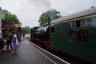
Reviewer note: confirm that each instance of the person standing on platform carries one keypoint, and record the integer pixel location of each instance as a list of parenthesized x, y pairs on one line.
[(9, 41), (23, 35), (1, 42), (14, 46)]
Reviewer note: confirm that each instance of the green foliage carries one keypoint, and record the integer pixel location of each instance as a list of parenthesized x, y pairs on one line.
[(48, 16), (26, 29), (44, 19), (11, 18)]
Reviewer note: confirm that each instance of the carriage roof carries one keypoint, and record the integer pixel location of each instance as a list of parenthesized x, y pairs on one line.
[(76, 15)]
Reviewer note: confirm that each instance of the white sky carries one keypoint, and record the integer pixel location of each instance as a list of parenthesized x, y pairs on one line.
[(29, 11)]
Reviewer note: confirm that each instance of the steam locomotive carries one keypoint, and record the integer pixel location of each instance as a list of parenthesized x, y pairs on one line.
[(41, 36), (74, 34)]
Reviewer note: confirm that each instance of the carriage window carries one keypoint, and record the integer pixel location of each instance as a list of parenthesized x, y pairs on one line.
[(73, 24), (92, 21), (52, 29), (78, 23), (84, 23), (79, 32)]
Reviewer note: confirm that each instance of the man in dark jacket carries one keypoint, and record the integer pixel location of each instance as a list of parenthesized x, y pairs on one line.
[(9, 41)]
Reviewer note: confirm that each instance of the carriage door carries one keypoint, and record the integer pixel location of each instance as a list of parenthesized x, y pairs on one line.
[(52, 34)]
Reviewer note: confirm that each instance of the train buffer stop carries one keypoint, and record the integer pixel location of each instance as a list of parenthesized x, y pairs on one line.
[(29, 53)]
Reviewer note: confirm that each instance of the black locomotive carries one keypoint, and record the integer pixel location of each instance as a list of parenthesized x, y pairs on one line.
[(41, 36)]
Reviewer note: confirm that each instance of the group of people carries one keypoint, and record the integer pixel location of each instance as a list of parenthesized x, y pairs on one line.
[(8, 41)]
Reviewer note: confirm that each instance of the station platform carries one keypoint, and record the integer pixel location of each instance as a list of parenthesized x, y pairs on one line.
[(29, 53)]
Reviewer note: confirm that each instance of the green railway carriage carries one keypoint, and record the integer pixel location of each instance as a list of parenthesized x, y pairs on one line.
[(76, 34)]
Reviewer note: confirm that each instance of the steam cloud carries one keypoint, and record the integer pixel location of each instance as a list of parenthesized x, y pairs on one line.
[(32, 9), (45, 3)]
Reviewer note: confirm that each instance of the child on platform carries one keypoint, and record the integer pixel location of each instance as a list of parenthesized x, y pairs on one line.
[(14, 44)]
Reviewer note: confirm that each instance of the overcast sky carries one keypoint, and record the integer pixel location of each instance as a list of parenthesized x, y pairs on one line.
[(29, 11)]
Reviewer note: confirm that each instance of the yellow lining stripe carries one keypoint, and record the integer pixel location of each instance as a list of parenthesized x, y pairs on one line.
[(76, 19)]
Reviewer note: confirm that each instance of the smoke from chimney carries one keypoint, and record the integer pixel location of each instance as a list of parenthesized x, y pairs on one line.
[(45, 3)]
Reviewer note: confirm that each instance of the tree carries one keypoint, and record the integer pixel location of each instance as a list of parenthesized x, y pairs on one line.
[(44, 19), (11, 18), (48, 16), (26, 29)]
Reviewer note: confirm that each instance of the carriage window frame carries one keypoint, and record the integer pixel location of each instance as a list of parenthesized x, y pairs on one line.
[(92, 21), (73, 24), (83, 23), (78, 32), (52, 30), (78, 23)]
